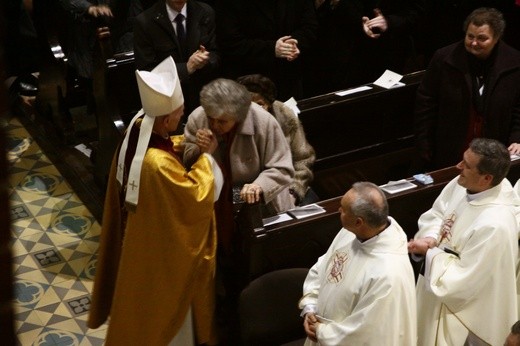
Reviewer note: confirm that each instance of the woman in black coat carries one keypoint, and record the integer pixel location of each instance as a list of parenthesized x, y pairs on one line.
[(471, 89)]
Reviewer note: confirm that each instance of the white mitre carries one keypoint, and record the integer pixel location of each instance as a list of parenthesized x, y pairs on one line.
[(161, 94)]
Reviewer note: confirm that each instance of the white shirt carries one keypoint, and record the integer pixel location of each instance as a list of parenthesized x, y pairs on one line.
[(172, 14)]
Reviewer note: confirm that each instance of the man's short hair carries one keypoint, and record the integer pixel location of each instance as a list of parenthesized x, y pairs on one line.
[(515, 328), (489, 16), (494, 158), (370, 204)]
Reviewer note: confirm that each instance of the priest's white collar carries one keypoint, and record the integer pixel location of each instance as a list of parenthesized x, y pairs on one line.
[(470, 197)]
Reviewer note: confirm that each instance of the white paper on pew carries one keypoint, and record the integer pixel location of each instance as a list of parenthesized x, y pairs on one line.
[(515, 157), (353, 91), (397, 85), (305, 211), (83, 148), (276, 219), (398, 186), (292, 104), (388, 79)]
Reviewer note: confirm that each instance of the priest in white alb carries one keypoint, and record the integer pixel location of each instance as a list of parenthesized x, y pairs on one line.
[(469, 240), (362, 290)]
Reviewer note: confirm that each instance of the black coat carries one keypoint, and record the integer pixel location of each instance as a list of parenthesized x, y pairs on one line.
[(248, 31), (345, 56), (444, 100)]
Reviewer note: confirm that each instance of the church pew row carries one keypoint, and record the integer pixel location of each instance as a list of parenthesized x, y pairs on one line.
[(354, 136), (299, 243)]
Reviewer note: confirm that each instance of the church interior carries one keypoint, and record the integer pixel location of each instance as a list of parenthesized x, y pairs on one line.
[(59, 141)]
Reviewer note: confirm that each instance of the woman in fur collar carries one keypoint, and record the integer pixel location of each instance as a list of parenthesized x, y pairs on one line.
[(263, 92)]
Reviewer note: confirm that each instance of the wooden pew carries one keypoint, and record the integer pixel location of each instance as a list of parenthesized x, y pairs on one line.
[(53, 69), (355, 135), (117, 101), (299, 243), (62, 91)]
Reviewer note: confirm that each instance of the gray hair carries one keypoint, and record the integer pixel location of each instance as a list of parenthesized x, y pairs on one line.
[(370, 204), (489, 16), (494, 158), (225, 96)]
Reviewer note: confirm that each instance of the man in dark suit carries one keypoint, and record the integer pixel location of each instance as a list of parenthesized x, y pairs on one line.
[(268, 37), (359, 39), (189, 39)]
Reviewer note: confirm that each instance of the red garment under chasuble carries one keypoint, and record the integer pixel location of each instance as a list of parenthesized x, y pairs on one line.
[(224, 206)]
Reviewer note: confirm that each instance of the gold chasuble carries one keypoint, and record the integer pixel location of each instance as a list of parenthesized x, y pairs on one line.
[(152, 271)]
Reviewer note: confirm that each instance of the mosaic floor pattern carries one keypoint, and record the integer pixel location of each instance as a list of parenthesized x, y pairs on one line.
[(54, 243)]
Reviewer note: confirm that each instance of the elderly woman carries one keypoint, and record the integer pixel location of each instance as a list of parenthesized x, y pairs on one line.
[(263, 92), (249, 145)]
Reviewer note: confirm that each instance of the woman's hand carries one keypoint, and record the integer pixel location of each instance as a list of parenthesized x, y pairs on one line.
[(251, 193)]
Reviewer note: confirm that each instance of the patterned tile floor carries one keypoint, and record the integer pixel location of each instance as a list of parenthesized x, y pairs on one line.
[(54, 242)]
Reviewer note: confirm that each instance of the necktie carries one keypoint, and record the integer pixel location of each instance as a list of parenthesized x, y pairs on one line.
[(181, 33)]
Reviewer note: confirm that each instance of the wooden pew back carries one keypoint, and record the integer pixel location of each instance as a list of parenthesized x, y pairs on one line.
[(117, 101), (340, 124), (355, 135)]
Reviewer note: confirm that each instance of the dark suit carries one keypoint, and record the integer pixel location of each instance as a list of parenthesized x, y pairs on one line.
[(155, 40), (345, 56), (247, 34)]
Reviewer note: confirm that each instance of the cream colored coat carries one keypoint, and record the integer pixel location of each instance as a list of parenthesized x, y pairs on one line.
[(259, 154)]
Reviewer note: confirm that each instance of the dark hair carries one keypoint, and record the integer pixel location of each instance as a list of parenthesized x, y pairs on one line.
[(256, 83), (370, 204), (494, 158), (515, 329), (489, 16)]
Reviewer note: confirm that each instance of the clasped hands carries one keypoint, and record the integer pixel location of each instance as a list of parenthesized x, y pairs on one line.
[(375, 26), (100, 10), (198, 60), (420, 246), (310, 324), (514, 148), (206, 141), (287, 47)]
